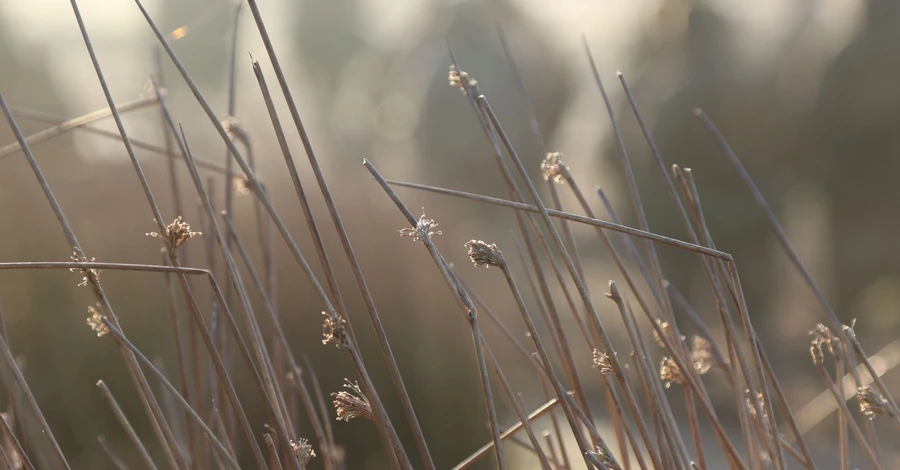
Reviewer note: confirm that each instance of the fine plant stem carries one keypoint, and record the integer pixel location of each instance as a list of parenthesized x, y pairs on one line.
[(315, 418), (18, 379), (472, 459), (842, 407), (569, 216), (770, 217), (524, 222), (264, 380), (73, 123), (123, 421), (385, 427), (323, 412), (517, 406), (120, 337), (380, 332), (274, 460), (151, 406), (465, 303), (122, 107)]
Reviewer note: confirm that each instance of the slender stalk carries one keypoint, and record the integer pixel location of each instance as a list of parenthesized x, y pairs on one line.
[(147, 399), (116, 460), (380, 332), (314, 417), (465, 304), (123, 421), (470, 460), (385, 427), (274, 460), (842, 407), (73, 123), (567, 215), (520, 411), (120, 337)]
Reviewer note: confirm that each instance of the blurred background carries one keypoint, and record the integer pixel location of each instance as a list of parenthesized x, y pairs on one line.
[(806, 92)]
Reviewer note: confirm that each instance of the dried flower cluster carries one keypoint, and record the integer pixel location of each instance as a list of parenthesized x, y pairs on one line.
[(666, 329), (460, 79), (828, 340), (334, 330), (95, 321), (872, 403), (302, 450), (423, 230), (601, 362), (554, 168), (242, 185), (701, 354), (352, 404), (604, 458), (176, 233), (670, 373), (483, 254), (233, 128), (89, 275), (751, 407)]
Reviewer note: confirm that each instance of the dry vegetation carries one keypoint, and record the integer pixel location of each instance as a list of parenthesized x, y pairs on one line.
[(635, 377)]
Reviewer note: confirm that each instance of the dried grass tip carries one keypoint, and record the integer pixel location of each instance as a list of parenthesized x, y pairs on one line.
[(872, 403), (483, 254), (334, 330), (701, 354), (423, 230), (603, 458), (554, 168), (89, 275), (352, 404), (670, 373), (302, 450), (233, 128), (95, 321), (666, 329), (460, 79), (751, 406), (602, 362), (176, 233)]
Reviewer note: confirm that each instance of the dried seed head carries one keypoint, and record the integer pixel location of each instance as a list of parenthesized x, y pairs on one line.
[(601, 361), (483, 254), (352, 404), (423, 230), (233, 128), (89, 275), (701, 354), (334, 330), (751, 407), (873, 403), (242, 185), (95, 321), (554, 168), (176, 233), (302, 450), (828, 340), (667, 329), (815, 350), (605, 459), (670, 373), (460, 79)]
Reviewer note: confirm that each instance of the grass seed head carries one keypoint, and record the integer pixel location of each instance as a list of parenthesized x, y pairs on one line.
[(483, 254), (352, 404)]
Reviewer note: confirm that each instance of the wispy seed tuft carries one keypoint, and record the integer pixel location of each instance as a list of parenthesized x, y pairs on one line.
[(352, 404)]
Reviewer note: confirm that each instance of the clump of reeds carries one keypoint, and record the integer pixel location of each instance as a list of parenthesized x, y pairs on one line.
[(634, 378)]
